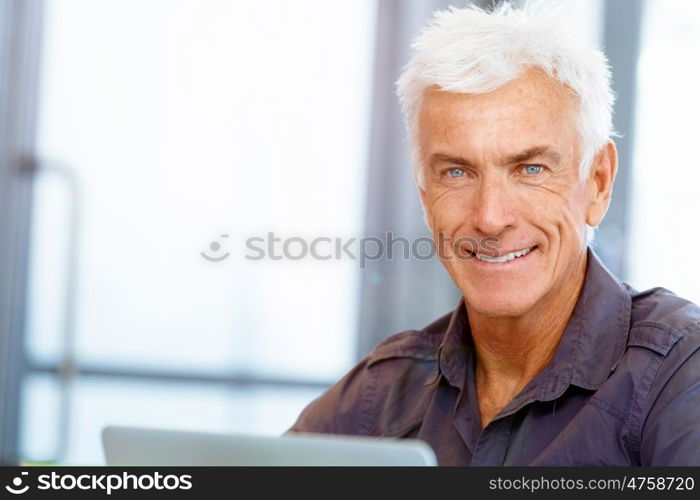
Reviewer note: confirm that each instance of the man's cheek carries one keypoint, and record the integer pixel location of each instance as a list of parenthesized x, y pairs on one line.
[(450, 209)]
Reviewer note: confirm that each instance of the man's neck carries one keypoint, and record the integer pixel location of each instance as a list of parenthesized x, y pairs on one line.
[(512, 351)]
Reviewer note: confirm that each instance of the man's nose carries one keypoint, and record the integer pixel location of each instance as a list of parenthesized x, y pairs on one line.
[(493, 208)]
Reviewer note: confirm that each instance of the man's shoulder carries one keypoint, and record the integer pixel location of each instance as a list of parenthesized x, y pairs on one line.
[(660, 319), (664, 358), (366, 399), (420, 344)]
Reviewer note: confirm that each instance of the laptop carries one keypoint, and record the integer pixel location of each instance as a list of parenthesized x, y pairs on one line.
[(125, 446)]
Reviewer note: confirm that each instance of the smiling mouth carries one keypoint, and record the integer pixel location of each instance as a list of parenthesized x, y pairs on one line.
[(504, 258)]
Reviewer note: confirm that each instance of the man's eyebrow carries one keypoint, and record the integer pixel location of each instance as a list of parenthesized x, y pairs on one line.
[(521, 157), (531, 153), (447, 158)]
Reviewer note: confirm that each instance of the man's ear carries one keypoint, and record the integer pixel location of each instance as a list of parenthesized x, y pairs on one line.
[(600, 179)]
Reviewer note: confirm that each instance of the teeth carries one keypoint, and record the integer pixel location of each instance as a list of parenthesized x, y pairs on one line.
[(504, 258)]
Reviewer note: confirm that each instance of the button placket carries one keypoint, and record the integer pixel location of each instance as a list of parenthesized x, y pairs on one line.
[(492, 443)]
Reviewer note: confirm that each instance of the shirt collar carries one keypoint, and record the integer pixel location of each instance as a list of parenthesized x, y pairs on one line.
[(591, 346)]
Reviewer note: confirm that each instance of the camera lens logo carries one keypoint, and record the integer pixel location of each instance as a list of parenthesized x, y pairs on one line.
[(215, 246), (16, 488)]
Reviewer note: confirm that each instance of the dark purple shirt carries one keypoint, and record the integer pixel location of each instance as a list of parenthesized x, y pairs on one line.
[(622, 389)]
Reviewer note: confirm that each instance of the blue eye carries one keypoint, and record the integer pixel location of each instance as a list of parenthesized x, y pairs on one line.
[(533, 169), (456, 172)]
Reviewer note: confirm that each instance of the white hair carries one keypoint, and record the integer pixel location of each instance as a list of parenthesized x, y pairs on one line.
[(470, 50)]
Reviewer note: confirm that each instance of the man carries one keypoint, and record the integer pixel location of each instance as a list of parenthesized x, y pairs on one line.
[(548, 359)]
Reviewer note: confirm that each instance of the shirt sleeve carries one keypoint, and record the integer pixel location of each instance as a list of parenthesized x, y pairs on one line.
[(342, 409), (671, 433)]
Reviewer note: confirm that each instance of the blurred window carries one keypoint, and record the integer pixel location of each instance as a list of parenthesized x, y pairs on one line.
[(665, 203), (181, 127)]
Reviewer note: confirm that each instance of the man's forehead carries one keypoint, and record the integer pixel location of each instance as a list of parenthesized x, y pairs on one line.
[(532, 88), (534, 105), (522, 115)]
